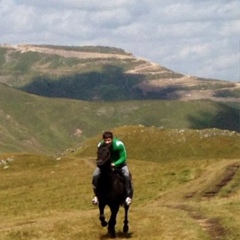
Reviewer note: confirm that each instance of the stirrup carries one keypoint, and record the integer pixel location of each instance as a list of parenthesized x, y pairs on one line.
[(128, 201), (95, 200)]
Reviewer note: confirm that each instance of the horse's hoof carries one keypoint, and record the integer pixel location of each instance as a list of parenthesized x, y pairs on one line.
[(112, 234), (125, 229), (104, 224)]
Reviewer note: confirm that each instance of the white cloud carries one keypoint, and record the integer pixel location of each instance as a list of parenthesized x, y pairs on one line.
[(110, 19), (190, 36), (231, 28), (90, 5)]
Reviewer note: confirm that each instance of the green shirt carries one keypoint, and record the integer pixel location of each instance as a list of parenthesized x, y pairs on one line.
[(118, 152)]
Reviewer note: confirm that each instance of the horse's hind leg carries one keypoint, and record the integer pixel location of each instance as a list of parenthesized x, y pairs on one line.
[(102, 216), (125, 226)]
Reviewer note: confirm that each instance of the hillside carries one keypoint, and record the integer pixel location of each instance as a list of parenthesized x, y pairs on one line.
[(179, 195), (182, 138), (51, 125), (102, 73), (161, 145)]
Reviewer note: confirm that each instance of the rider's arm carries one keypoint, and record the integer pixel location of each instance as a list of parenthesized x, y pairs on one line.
[(122, 153)]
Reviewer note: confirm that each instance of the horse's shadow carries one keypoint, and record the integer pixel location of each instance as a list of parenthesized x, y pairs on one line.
[(118, 235)]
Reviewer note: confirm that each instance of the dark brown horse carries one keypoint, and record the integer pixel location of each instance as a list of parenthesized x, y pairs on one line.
[(110, 191)]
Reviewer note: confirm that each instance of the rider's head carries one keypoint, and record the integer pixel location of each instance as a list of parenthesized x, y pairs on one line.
[(107, 137)]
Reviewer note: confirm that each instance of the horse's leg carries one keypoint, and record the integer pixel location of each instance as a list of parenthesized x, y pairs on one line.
[(102, 216), (112, 221), (125, 226)]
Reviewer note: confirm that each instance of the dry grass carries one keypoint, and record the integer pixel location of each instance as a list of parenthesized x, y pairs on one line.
[(44, 198)]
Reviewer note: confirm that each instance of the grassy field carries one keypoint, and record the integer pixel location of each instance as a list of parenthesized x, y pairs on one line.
[(50, 197)]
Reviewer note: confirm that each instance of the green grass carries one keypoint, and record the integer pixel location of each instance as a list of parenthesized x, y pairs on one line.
[(172, 144), (50, 198), (235, 93), (49, 125)]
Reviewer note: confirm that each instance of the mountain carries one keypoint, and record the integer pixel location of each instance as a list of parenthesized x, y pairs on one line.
[(102, 74), (111, 82)]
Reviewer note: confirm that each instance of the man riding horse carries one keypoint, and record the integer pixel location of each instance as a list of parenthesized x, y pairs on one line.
[(118, 159)]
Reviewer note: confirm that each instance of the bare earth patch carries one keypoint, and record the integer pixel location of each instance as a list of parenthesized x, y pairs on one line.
[(210, 225)]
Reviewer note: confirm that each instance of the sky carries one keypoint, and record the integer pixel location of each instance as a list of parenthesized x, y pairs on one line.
[(192, 37)]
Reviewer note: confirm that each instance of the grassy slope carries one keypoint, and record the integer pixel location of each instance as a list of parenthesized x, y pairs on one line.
[(36, 124), (161, 145), (47, 198)]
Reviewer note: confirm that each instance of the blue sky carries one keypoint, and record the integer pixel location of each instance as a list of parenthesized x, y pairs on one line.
[(192, 37)]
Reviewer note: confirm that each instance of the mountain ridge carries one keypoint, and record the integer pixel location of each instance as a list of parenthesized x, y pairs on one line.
[(23, 65)]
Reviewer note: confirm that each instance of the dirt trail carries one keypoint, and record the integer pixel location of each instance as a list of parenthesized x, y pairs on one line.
[(147, 67), (69, 53), (212, 225), (228, 174), (209, 225)]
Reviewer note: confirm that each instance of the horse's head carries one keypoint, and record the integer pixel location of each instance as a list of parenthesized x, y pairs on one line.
[(103, 156)]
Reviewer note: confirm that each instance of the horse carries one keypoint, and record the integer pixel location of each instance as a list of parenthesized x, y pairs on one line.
[(110, 191)]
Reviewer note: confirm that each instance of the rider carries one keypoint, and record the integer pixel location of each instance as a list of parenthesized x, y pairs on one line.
[(118, 158)]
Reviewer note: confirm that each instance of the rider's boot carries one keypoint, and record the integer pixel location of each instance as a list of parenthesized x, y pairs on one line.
[(94, 183), (95, 199)]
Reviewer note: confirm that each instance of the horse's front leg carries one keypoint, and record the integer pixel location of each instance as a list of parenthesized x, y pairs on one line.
[(112, 221), (125, 226), (102, 216)]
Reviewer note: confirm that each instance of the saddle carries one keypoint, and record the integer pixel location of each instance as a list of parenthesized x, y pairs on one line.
[(119, 173)]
